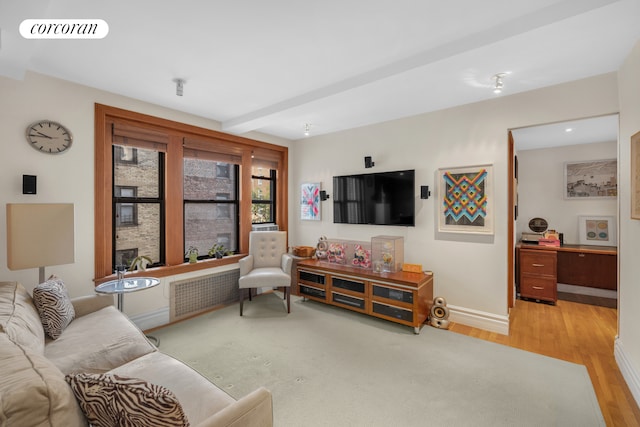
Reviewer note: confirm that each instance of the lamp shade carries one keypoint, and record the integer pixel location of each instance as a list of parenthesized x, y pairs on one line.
[(39, 234)]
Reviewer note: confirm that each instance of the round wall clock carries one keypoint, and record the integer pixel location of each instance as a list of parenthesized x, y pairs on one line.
[(49, 137)]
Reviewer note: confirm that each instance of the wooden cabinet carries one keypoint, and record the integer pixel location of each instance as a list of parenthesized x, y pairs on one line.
[(538, 277), (399, 297), (595, 270)]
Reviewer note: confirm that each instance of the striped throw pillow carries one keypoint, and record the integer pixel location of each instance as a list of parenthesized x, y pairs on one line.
[(109, 400), (54, 306)]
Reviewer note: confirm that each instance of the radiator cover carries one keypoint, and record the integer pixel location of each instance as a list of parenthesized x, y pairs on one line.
[(198, 294)]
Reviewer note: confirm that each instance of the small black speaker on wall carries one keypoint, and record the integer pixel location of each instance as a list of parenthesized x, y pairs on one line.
[(29, 184), (368, 162), (323, 195), (424, 192)]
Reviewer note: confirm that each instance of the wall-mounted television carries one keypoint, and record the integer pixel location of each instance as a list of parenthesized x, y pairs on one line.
[(383, 198)]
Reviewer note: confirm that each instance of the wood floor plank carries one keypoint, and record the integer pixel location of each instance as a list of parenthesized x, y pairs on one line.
[(578, 333)]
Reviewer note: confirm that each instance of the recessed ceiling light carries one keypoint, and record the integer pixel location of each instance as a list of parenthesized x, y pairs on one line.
[(568, 130)]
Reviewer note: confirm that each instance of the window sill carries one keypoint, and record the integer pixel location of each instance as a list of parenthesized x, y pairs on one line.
[(172, 270)]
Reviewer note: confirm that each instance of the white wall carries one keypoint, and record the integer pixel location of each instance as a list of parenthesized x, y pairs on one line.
[(541, 186), (69, 177), (470, 273), (627, 347)]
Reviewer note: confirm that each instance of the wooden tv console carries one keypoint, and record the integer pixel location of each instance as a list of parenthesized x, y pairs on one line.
[(400, 297)]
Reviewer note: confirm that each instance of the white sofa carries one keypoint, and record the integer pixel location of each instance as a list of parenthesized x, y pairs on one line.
[(100, 339)]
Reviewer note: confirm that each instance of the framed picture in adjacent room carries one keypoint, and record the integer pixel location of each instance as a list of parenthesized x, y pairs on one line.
[(310, 201), (465, 202), (635, 176), (597, 230), (592, 179)]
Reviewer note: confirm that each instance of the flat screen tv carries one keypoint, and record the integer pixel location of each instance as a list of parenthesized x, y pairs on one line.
[(384, 198)]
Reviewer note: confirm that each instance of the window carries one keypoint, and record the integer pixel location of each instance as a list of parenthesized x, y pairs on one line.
[(126, 213), (263, 196), (138, 205), (125, 154), (148, 202), (210, 204)]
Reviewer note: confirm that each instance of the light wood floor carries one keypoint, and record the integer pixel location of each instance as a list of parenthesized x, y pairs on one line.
[(578, 333)]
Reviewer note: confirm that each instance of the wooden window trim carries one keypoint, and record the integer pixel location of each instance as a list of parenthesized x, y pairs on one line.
[(177, 133)]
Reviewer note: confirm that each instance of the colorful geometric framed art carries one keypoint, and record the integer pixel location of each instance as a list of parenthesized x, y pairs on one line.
[(465, 202), (310, 201)]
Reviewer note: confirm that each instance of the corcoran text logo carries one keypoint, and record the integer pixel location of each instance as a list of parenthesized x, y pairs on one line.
[(64, 29)]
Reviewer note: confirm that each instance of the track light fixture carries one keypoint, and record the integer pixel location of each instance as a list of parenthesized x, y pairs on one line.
[(179, 86), (307, 129), (498, 84)]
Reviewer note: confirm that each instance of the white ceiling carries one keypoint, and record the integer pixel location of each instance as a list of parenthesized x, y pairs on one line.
[(273, 66), (574, 132)]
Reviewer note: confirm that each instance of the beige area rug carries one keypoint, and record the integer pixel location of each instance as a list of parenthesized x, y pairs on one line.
[(331, 367)]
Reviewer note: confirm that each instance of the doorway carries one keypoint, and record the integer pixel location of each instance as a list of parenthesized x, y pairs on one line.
[(539, 159)]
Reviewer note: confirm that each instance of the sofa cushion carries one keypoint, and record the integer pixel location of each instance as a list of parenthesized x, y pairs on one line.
[(189, 386), (33, 392), (97, 342), (19, 318), (111, 400), (54, 306)]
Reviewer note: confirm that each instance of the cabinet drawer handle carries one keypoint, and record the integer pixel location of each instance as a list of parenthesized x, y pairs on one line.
[(581, 255), (538, 288), (538, 265)]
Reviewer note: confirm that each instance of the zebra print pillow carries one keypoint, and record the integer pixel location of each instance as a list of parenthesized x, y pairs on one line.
[(54, 306), (110, 400)]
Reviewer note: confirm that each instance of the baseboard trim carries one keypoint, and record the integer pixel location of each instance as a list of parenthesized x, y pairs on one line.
[(629, 374), (595, 292), (151, 319), (479, 319)]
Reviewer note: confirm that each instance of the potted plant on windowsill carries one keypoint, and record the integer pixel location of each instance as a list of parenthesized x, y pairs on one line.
[(218, 251), (192, 254)]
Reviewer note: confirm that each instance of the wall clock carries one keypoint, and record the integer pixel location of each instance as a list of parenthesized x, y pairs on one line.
[(49, 137)]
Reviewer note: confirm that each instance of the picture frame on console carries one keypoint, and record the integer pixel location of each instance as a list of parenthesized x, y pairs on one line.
[(597, 230), (466, 202)]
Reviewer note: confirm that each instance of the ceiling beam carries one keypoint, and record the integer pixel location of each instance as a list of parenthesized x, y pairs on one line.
[(551, 14)]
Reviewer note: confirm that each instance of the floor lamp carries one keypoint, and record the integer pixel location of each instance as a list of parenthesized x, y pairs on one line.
[(39, 235)]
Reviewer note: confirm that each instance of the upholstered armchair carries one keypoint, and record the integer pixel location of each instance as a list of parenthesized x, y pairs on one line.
[(268, 265)]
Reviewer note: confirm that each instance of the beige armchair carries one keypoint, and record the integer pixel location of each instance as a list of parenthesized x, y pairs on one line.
[(268, 265)]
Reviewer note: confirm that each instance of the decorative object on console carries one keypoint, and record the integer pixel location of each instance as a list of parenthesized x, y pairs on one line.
[(336, 253), (310, 202), (440, 313), (40, 235), (467, 199), (304, 251), (361, 256), (597, 230), (591, 179), (537, 226), (412, 268), (321, 248), (387, 253)]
